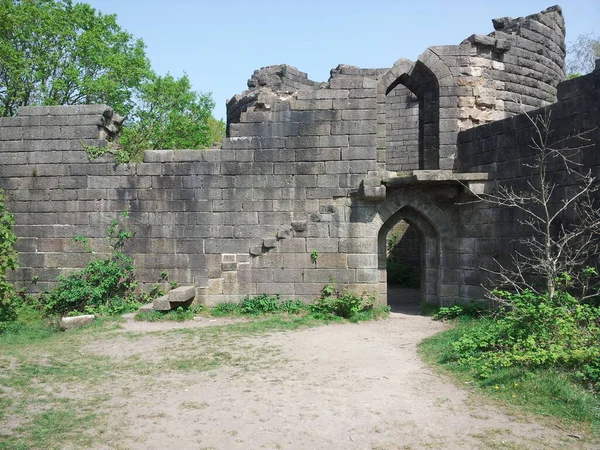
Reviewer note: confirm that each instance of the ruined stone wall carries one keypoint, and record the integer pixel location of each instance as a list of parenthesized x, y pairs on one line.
[(307, 169), (503, 149)]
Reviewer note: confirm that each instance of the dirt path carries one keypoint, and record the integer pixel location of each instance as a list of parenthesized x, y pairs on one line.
[(341, 386)]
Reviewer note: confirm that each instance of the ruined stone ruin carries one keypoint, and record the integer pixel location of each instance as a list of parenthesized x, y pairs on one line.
[(312, 176)]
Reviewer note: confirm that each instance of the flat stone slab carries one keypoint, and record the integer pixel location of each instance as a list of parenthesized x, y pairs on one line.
[(162, 303), (149, 307), (182, 294), (432, 176), (69, 323)]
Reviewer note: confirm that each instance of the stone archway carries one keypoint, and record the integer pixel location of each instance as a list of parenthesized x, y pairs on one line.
[(429, 252), (439, 244)]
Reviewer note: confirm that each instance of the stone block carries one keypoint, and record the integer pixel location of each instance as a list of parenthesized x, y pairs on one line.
[(149, 307), (162, 303), (363, 261), (332, 261), (287, 275), (69, 323)]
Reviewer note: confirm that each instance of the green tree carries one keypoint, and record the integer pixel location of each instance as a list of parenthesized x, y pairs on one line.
[(582, 55), (169, 115), (60, 53), (217, 130), (55, 52)]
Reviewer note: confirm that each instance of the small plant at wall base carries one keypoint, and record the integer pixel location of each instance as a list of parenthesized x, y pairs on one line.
[(105, 286), (345, 304)]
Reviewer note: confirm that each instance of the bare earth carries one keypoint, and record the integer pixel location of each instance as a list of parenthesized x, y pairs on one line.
[(342, 386)]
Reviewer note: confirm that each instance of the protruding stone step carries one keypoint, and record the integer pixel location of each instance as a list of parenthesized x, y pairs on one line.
[(162, 303), (182, 294), (148, 307)]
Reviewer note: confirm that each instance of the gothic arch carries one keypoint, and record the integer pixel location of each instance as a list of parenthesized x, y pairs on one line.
[(437, 239), (429, 79)]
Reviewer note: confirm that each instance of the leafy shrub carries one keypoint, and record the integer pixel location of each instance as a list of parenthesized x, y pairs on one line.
[(342, 304), (104, 287), (473, 309), (536, 331), (259, 304), (8, 261), (226, 309), (292, 306)]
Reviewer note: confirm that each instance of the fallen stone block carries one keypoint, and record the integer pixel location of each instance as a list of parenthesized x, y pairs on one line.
[(162, 303), (69, 323), (183, 294), (149, 307)]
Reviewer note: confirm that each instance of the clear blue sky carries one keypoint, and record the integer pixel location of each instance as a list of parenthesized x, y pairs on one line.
[(220, 43)]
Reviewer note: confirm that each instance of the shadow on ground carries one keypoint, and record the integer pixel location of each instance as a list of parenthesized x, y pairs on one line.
[(403, 300)]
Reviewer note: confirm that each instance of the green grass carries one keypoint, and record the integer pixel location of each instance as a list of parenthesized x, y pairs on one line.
[(545, 392), (178, 315), (49, 430)]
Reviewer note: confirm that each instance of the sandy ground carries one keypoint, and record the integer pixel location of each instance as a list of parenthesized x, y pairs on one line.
[(342, 386)]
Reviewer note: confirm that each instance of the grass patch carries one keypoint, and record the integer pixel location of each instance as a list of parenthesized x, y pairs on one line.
[(50, 430), (543, 391), (178, 315)]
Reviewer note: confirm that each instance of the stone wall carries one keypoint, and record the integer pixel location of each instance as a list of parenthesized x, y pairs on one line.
[(307, 168), (504, 150)]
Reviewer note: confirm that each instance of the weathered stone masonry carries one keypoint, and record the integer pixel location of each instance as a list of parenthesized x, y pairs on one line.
[(307, 166)]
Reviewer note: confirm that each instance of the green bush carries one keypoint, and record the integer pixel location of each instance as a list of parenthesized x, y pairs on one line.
[(8, 261), (536, 331), (104, 287), (473, 309), (345, 304), (259, 304)]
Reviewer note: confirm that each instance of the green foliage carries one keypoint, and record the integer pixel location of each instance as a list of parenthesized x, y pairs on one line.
[(375, 313), (216, 131), (60, 53), (546, 391), (344, 304), (225, 309), (536, 331), (122, 155), (179, 315), (170, 116), (472, 309), (8, 261), (260, 304), (104, 287), (55, 52)]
